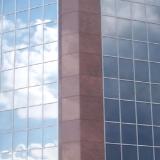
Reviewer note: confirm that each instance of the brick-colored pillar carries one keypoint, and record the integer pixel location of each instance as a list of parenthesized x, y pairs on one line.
[(81, 123)]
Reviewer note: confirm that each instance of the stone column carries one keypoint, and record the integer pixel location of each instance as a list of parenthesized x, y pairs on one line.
[(81, 121)]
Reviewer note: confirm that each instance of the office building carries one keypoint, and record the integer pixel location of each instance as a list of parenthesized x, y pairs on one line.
[(79, 79)]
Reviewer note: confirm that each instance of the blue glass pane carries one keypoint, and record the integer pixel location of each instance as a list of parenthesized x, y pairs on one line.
[(112, 110), (112, 131)]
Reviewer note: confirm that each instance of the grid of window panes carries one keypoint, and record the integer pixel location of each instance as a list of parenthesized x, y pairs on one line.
[(28, 80), (131, 67)]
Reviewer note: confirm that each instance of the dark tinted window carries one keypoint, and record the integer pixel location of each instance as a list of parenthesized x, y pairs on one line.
[(141, 71), (109, 46), (156, 114), (154, 52), (154, 33), (157, 153), (143, 113), (145, 135), (111, 110), (155, 93), (129, 134), (124, 28), (112, 132), (142, 91), (110, 67), (125, 69), (125, 49), (113, 152), (127, 90), (111, 88), (155, 76), (156, 136), (140, 51), (139, 31), (146, 153), (129, 152), (128, 111)]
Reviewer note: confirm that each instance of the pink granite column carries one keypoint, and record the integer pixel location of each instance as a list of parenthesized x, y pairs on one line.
[(81, 120)]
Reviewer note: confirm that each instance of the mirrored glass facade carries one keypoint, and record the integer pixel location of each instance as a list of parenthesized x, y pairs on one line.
[(131, 67), (28, 80)]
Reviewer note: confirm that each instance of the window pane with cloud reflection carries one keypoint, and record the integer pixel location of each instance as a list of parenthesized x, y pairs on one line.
[(28, 80)]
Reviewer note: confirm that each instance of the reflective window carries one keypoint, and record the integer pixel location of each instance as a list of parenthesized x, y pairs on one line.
[(36, 35), (50, 136), (50, 72), (21, 81), (123, 8), (34, 3), (141, 71), (110, 67), (143, 113), (8, 23), (35, 117), (139, 31), (6, 121), (113, 132), (109, 26), (20, 119), (8, 6), (140, 51), (22, 38), (145, 135), (155, 92), (20, 98), (129, 152), (8, 41), (6, 143), (21, 58), (36, 15), (50, 114), (21, 5), (108, 7), (156, 111), (129, 134), (146, 153), (125, 49), (22, 19), (154, 33), (157, 153), (125, 69), (156, 136), (113, 152), (35, 138), (111, 88), (28, 79), (49, 15), (112, 110), (50, 153), (154, 52), (35, 75), (20, 141), (127, 90), (7, 61), (138, 11), (110, 46), (36, 55), (128, 111), (124, 28), (50, 52), (153, 13), (142, 91), (155, 77)]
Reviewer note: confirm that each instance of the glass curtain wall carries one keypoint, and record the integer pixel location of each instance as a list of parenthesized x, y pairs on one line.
[(131, 68), (28, 80)]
